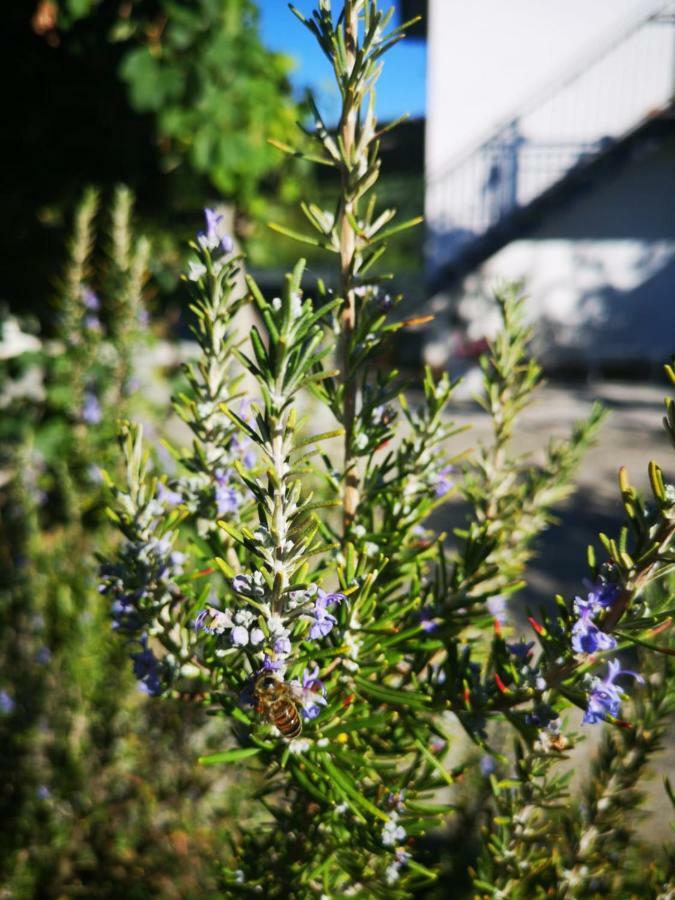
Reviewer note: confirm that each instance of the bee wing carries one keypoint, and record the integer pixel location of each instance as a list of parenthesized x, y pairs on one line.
[(297, 692)]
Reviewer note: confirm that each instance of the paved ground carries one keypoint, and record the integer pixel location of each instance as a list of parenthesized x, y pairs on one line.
[(631, 436)]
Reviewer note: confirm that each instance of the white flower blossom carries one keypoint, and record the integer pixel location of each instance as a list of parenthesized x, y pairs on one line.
[(196, 270), (392, 832), (239, 636), (256, 636), (220, 621), (392, 873), (244, 617)]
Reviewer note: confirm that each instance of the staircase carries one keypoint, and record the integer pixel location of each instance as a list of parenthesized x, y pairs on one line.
[(488, 194)]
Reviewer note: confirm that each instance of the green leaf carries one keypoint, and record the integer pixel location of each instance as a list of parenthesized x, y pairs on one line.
[(392, 695), (297, 236), (351, 789), (228, 756)]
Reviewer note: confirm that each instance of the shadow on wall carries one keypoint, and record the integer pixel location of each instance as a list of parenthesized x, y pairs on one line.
[(605, 325), (599, 270)]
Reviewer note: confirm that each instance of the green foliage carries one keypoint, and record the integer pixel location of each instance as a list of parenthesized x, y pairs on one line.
[(98, 796), (176, 98), (298, 591), (216, 93)]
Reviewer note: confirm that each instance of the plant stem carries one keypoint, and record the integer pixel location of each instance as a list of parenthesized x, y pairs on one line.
[(347, 252)]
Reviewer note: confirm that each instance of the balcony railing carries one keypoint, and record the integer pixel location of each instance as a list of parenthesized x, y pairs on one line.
[(575, 119)]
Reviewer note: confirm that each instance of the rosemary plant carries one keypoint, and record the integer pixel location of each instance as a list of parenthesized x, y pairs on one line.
[(90, 787), (286, 577)]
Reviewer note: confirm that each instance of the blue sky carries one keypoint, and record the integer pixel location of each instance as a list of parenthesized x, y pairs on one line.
[(401, 87)]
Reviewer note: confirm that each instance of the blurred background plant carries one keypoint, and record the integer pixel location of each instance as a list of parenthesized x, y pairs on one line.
[(175, 98), (99, 796)]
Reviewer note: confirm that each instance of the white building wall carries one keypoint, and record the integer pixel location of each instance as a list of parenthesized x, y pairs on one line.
[(599, 275), (495, 61), (488, 57)]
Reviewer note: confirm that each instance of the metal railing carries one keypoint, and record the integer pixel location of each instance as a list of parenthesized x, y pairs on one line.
[(604, 97)]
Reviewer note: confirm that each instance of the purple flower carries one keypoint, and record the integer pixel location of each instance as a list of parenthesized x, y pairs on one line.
[(124, 613), (323, 620), (92, 322), (242, 447), (43, 656), (322, 626), (427, 622), (323, 599), (521, 650), (146, 669), (91, 409), (7, 703), (270, 665), (201, 622), (213, 621), (487, 765), (177, 558), (605, 697), (586, 636), (42, 792), (282, 646), (215, 238), (167, 495), (442, 482), (603, 594), (225, 495), (313, 693), (497, 608), (90, 300)]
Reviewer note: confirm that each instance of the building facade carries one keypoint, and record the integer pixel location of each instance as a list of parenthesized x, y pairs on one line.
[(550, 158)]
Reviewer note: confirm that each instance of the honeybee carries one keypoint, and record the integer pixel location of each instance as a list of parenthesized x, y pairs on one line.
[(276, 701)]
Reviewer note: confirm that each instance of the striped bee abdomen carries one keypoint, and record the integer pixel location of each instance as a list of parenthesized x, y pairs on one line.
[(285, 716)]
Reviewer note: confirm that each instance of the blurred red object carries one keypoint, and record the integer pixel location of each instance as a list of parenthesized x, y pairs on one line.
[(45, 17), (472, 349)]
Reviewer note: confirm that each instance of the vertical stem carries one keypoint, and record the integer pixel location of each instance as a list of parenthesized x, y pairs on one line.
[(347, 251)]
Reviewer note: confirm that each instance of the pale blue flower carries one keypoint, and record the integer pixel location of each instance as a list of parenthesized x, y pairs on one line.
[(91, 409), (90, 299), (146, 669), (442, 481), (226, 497), (605, 697), (215, 236), (167, 495)]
